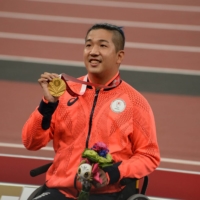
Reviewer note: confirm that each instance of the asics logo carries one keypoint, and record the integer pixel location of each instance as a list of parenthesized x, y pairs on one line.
[(72, 101), (42, 195)]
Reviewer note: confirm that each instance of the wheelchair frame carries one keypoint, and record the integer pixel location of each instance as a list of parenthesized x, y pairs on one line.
[(129, 184)]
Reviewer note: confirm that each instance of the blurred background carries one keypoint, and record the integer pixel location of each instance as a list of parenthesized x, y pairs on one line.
[(162, 61)]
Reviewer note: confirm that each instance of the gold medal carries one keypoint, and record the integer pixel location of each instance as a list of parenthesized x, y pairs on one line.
[(57, 87)]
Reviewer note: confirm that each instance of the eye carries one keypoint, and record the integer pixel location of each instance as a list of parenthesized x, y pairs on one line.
[(103, 45), (88, 45)]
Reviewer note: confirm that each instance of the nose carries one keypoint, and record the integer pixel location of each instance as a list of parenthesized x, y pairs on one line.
[(94, 51)]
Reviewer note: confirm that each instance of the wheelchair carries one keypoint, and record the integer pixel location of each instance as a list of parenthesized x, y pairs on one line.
[(130, 191)]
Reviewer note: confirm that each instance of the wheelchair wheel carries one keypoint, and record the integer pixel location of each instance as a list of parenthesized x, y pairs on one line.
[(138, 197), (37, 192)]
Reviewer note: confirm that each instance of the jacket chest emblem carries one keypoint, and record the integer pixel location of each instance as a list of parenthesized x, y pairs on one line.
[(118, 105)]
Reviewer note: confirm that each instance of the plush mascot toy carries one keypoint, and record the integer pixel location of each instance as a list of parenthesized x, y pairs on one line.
[(88, 170)]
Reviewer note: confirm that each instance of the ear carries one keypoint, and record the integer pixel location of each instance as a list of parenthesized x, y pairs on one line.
[(120, 56)]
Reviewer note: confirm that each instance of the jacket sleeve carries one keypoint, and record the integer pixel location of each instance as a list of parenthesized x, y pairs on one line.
[(146, 156), (38, 129)]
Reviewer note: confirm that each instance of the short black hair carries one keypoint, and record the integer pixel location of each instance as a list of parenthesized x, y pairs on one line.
[(118, 34)]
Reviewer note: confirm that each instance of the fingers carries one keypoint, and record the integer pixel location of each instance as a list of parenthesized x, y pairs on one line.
[(44, 80), (49, 76), (46, 77)]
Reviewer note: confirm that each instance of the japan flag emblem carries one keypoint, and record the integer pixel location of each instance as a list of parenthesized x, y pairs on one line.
[(118, 105)]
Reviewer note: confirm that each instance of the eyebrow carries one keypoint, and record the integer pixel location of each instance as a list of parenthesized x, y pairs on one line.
[(101, 40)]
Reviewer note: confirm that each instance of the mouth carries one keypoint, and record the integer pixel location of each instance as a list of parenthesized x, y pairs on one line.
[(94, 62)]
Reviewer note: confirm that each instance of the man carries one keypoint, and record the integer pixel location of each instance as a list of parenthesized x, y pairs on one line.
[(118, 116)]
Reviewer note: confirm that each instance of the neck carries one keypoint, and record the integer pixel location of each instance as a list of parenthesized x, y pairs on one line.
[(102, 80), (97, 80)]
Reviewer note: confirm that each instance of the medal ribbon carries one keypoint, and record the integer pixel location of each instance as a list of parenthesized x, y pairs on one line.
[(114, 83)]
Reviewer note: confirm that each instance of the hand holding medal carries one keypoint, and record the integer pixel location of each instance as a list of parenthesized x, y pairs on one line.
[(57, 87)]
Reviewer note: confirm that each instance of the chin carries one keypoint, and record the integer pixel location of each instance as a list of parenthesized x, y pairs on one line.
[(94, 70)]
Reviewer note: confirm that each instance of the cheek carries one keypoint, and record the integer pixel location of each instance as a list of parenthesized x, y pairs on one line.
[(85, 52), (111, 58), (85, 56)]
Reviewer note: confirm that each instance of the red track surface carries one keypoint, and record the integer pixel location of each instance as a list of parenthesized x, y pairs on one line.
[(177, 123)]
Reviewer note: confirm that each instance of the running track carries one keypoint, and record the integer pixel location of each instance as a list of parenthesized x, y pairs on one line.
[(162, 61)]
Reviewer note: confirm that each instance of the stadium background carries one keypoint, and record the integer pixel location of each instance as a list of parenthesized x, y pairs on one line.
[(162, 61)]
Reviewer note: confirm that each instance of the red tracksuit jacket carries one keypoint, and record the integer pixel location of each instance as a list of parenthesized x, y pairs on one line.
[(120, 117)]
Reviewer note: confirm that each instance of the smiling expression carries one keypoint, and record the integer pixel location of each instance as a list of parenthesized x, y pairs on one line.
[(101, 59)]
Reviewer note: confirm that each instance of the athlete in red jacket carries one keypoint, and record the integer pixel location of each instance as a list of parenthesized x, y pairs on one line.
[(118, 116)]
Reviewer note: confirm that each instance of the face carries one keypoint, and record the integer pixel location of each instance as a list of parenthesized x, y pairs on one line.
[(100, 57)]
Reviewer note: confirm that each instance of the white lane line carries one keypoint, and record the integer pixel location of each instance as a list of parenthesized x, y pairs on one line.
[(179, 161), (51, 18), (51, 159), (21, 146), (113, 4), (162, 47), (167, 160), (132, 45), (179, 171), (159, 198), (17, 184), (41, 38), (80, 64), (24, 156), (160, 70)]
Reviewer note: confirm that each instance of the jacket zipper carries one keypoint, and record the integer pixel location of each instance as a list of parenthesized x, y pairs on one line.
[(89, 130), (91, 116)]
